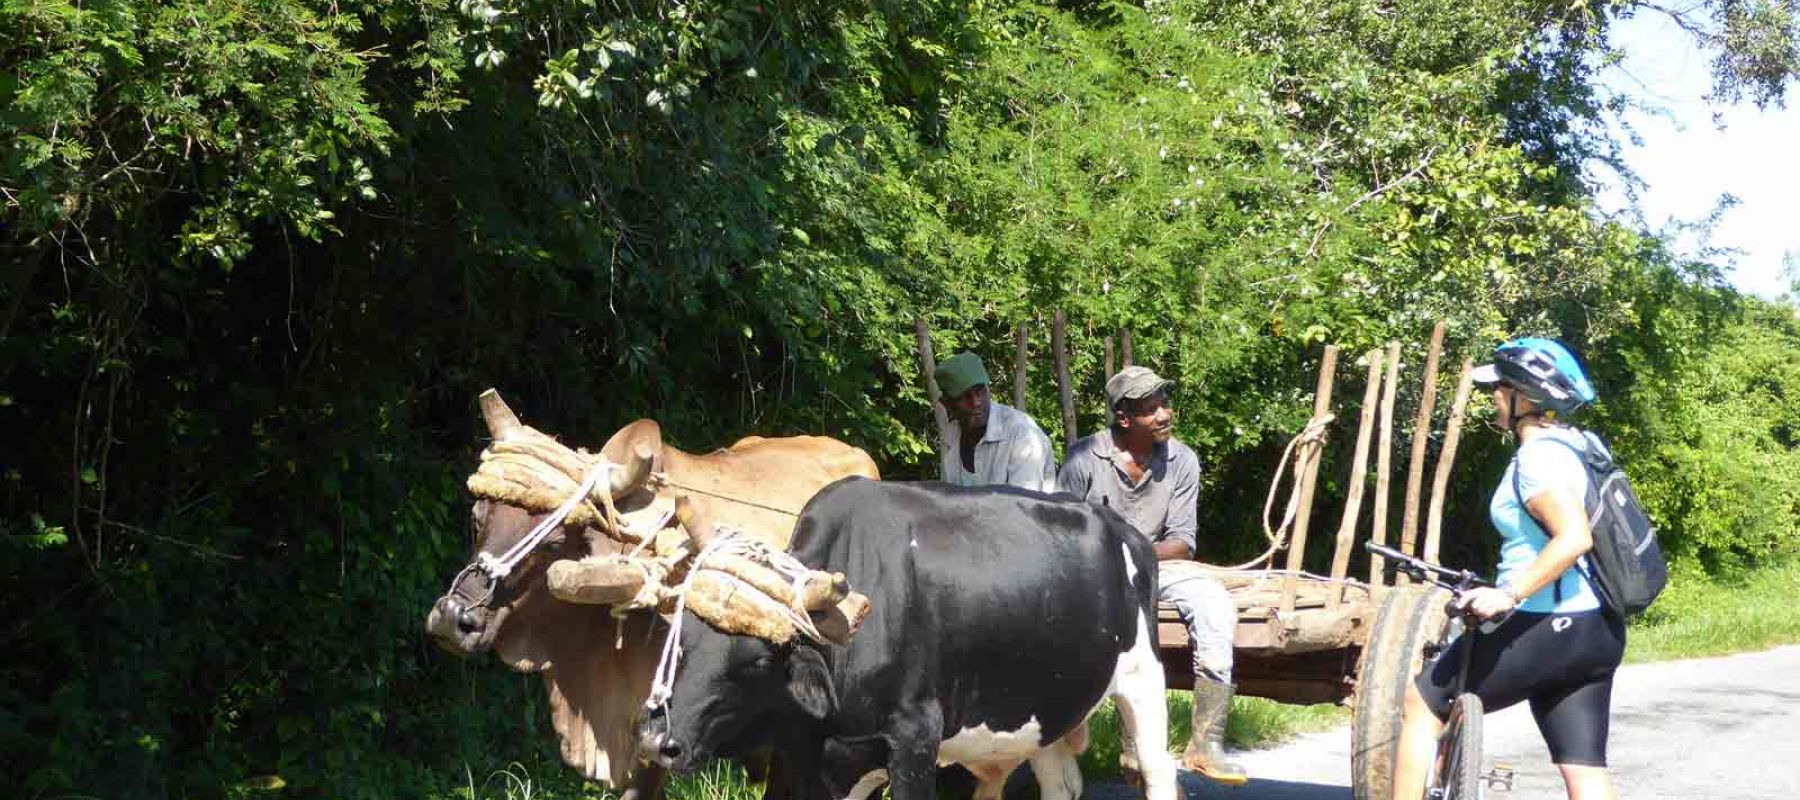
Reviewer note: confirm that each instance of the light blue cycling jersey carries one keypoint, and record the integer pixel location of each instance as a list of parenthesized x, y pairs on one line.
[(1541, 465)]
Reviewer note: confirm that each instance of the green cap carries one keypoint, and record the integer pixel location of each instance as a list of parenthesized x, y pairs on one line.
[(960, 373)]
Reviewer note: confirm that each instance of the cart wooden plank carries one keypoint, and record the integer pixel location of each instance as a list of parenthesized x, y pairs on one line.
[(1306, 656)]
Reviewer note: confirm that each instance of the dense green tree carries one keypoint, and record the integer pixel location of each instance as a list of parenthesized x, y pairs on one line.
[(259, 258)]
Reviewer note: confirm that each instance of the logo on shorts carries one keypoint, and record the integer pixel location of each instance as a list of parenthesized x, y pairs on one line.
[(1561, 624)]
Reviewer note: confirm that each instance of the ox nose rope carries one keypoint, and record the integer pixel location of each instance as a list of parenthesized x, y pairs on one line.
[(496, 568)]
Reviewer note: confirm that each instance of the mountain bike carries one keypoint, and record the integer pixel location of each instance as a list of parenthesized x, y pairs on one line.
[(1456, 773)]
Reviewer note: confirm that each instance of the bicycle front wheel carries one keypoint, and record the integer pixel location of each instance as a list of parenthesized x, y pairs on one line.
[(1458, 772)]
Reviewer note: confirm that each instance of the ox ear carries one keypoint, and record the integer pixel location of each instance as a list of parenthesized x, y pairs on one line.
[(809, 683), (641, 436)]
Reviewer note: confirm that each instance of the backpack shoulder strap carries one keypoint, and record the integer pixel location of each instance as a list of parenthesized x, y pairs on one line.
[(1586, 455), (1590, 462)]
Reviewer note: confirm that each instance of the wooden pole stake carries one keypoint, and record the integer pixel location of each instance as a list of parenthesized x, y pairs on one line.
[(1019, 368), (1059, 342), (1359, 478), (1415, 471), (1125, 348), (1434, 519), (1384, 455), (1109, 359), (929, 363), (1309, 474)]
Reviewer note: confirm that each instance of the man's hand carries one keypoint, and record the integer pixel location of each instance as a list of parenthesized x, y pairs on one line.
[(1172, 550)]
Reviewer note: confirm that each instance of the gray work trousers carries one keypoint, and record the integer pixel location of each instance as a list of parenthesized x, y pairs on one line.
[(1209, 612)]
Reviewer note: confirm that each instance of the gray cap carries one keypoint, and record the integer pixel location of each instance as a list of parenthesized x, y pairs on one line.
[(1132, 383)]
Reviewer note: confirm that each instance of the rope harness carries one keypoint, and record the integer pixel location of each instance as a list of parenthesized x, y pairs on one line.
[(729, 541), (662, 479), (532, 472), (496, 568)]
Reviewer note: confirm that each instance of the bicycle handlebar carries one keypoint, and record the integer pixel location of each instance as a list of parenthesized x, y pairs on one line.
[(1457, 581)]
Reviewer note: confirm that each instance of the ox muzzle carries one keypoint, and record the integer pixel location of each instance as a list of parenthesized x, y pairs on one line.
[(656, 744), (464, 620)]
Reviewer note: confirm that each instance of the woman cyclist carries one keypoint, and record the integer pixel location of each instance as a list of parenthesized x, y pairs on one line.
[(1560, 648)]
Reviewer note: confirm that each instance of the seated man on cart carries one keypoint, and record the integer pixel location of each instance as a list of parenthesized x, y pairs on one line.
[(987, 443), (1137, 468)]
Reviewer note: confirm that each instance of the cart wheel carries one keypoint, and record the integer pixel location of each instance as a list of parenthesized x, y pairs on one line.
[(1411, 617)]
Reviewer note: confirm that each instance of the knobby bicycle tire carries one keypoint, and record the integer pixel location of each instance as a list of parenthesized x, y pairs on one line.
[(1457, 774)]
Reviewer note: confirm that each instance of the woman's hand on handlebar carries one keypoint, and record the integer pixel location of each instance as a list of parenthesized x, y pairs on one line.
[(1485, 603)]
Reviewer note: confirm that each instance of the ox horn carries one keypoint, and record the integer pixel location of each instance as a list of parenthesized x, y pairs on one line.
[(695, 522), (629, 476), (500, 419)]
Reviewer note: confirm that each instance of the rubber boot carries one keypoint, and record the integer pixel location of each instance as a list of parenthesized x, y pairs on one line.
[(1206, 748)]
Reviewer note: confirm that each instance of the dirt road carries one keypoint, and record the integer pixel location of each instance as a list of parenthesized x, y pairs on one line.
[(1717, 728)]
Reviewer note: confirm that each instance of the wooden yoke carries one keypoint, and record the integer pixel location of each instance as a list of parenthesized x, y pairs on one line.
[(1290, 584)]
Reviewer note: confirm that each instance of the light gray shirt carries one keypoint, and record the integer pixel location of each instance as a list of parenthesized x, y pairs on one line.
[(1013, 452), (1161, 506)]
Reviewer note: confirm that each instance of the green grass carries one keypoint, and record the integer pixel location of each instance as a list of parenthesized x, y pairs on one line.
[(717, 782), (1695, 618), (1254, 723), (721, 781)]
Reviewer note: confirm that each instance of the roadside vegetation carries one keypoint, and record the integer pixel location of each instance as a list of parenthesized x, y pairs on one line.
[(257, 260), (1699, 617)]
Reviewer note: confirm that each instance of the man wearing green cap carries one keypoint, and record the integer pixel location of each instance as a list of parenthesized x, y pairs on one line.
[(988, 443), (1139, 470)]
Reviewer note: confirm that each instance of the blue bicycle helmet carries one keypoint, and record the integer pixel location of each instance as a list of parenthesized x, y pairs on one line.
[(1543, 370)]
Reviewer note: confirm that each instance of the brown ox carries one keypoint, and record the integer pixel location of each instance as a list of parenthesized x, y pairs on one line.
[(598, 668)]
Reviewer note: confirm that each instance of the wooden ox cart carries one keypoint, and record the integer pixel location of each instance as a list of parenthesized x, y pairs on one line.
[(1308, 638)]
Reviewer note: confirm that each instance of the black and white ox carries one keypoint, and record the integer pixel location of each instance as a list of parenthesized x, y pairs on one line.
[(1001, 618)]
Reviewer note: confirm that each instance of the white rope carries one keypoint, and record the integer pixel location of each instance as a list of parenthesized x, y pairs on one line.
[(662, 684), (500, 566), (649, 594), (1271, 572), (645, 539), (1314, 434)]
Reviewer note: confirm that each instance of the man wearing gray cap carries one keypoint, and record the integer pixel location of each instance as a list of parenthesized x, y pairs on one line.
[(987, 443), (1139, 470)]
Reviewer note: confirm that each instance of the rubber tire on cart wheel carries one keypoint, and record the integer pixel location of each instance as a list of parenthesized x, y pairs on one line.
[(1459, 752), (1410, 618)]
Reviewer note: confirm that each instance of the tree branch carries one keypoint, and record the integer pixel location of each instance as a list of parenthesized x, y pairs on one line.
[(1312, 250)]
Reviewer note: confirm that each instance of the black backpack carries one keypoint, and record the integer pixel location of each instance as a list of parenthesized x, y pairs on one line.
[(1626, 566)]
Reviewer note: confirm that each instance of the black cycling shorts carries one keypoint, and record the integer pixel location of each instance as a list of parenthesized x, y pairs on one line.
[(1562, 663)]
